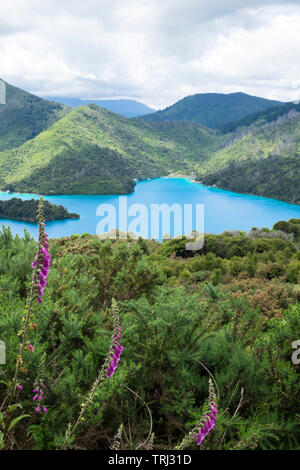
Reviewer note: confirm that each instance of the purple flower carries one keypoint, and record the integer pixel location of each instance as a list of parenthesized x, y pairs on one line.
[(210, 421), (39, 395), (30, 347), (41, 263), (116, 349), (19, 387)]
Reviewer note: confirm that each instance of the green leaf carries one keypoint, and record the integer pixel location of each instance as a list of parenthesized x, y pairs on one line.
[(13, 407), (1, 441), (16, 420)]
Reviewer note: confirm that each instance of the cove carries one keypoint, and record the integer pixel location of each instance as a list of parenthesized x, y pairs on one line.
[(223, 210)]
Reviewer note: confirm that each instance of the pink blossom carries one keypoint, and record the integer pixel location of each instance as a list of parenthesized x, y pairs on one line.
[(208, 425)]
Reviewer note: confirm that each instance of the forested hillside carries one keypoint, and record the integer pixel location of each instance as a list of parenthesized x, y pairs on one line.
[(94, 151), (24, 116), (262, 159), (212, 109), (90, 150)]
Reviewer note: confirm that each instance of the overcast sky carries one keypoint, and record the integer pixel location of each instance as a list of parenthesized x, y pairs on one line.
[(154, 51)]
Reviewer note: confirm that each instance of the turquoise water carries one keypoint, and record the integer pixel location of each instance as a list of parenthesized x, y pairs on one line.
[(223, 210)]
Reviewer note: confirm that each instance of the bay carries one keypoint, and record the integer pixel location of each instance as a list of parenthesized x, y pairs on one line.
[(223, 210)]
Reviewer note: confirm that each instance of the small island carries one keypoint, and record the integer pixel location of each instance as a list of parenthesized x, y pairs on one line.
[(26, 211)]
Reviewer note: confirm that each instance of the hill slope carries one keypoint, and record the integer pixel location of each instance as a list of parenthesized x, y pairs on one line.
[(127, 108), (24, 116), (262, 159), (93, 151), (212, 109)]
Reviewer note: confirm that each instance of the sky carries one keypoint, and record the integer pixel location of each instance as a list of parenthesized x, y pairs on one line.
[(153, 51)]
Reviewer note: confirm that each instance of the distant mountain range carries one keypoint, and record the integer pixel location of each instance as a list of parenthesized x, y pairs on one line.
[(127, 108), (50, 148), (212, 109)]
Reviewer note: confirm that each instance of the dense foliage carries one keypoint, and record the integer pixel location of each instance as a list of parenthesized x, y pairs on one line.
[(276, 177), (233, 307), (26, 211), (261, 159), (90, 150), (212, 109), (267, 115), (24, 116), (93, 151)]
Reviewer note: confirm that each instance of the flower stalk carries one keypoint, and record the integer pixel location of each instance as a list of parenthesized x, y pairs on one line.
[(107, 370), (206, 423), (40, 266)]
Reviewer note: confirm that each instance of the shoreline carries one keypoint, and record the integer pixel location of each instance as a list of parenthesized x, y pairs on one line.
[(179, 175), (190, 178)]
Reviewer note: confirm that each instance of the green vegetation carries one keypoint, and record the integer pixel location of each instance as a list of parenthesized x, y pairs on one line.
[(26, 211), (212, 109), (275, 177), (90, 150), (267, 115), (234, 306), (24, 116), (262, 159), (93, 151)]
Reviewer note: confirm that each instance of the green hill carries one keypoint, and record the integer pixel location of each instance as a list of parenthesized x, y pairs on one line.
[(212, 109), (262, 159), (24, 116), (51, 149), (93, 151), (267, 115)]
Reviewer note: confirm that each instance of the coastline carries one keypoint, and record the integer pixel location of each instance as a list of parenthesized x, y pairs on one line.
[(190, 178)]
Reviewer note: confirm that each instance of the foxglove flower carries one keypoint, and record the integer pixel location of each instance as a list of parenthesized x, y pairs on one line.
[(39, 395), (206, 423), (107, 370), (42, 261), (116, 348)]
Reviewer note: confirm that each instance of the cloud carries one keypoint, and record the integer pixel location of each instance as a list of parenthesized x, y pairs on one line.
[(153, 51)]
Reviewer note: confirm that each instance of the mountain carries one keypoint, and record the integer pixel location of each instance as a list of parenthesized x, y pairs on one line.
[(127, 108), (267, 115), (25, 116), (262, 159), (94, 151), (212, 109), (48, 148)]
